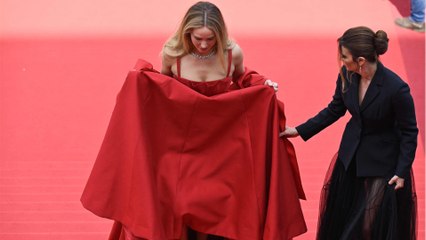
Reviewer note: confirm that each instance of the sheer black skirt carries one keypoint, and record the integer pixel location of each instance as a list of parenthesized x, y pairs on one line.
[(365, 208)]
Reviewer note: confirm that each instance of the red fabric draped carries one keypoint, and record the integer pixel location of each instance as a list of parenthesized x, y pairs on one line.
[(173, 157)]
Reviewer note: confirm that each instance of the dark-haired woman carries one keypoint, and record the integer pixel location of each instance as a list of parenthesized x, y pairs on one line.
[(369, 191)]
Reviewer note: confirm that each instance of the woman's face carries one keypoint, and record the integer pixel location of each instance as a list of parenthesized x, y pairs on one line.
[(347, 60), (203, 40)]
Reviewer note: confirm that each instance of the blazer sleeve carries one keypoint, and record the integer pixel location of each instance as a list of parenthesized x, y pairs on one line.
[(403, 107), (335, 110)]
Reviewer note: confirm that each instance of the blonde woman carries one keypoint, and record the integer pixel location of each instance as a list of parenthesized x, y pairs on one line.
[(193, 152), (201, 56), (200, 53)]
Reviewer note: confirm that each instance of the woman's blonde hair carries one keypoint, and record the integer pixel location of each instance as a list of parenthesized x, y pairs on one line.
[(201, 14)]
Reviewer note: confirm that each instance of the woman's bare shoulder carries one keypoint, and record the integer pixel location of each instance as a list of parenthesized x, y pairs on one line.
[(237, 53), (167, 62)]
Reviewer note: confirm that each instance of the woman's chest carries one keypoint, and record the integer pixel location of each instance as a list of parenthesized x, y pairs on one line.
[(201, 70), (373, 106)]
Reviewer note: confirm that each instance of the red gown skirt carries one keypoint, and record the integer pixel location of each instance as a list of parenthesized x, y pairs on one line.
[(172, 157)]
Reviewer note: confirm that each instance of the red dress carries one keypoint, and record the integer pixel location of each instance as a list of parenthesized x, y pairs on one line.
[(173, 157)]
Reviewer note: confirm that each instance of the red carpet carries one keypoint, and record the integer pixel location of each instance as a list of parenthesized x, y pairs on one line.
[(57, 93)]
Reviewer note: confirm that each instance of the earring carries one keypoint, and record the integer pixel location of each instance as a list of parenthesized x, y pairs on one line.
[(360, 68)]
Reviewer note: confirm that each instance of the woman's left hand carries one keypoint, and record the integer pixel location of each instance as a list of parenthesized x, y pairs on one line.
[(272, 84), (399, 182)]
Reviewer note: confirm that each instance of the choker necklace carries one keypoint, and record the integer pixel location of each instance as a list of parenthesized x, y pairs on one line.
[(203, 57)]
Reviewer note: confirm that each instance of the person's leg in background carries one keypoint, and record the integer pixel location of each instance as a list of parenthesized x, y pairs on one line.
[(416, 20)]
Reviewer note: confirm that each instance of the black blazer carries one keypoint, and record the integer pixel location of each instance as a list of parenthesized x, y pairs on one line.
[(381, 135)]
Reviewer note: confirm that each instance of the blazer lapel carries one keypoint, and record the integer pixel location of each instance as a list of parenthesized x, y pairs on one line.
[(351, 95), (374, 88), (355, 94)]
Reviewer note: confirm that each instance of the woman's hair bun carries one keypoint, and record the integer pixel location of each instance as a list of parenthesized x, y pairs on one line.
[(381, 42)]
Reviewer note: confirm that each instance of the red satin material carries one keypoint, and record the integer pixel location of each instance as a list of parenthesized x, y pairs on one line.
[(173, 157)]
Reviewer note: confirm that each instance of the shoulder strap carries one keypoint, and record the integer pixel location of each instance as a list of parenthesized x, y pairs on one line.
[(178, 66), (229, 62)]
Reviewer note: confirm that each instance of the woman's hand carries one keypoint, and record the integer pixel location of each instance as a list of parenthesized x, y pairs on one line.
[(289, 132), (272, 84), (399, 182)]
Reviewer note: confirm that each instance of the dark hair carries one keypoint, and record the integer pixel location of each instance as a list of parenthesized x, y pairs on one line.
[(363, 42)]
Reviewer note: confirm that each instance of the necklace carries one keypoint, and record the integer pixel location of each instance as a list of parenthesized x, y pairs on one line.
[(203, 57)]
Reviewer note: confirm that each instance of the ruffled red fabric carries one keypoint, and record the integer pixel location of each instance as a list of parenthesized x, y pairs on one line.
[(173, 157)]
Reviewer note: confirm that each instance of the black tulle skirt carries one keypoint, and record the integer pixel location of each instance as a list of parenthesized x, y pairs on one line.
[(365, 208)]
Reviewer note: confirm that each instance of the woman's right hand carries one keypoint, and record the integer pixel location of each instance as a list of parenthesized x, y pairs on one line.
[(271, 84), (289, 132)]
